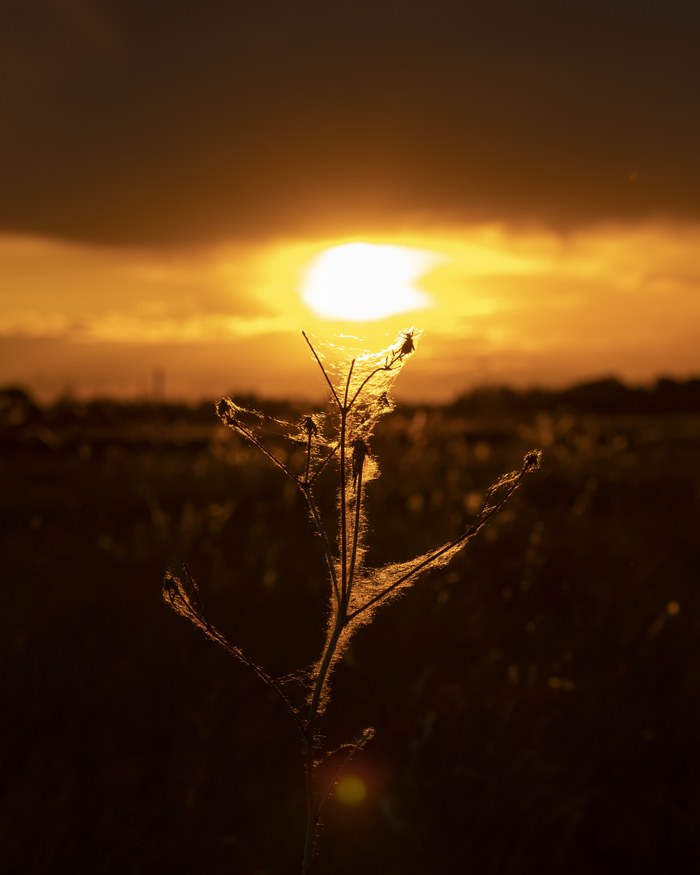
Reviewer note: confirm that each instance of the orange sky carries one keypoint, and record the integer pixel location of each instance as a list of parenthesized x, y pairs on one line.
[(500, 305), (170, 169)]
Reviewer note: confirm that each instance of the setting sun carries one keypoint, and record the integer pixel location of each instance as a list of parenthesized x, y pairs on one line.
[(366, 281)]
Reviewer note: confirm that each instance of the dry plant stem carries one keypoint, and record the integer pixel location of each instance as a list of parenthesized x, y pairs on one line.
[(323, 464), (264, 677), (387, 367), (484, 516), (308, 458), (312, 810), (351, 751), (182, 603), (264, 450), (323, 370), (318, 522), (345, 558), (343, 490), (353, 554)]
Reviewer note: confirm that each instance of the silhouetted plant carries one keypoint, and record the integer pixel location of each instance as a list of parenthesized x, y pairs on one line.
[(339, 437)]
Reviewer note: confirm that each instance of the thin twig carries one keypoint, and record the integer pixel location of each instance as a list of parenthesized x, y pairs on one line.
[(343, 513), (324, 463), (262, 674), (323, 370), (484, 516), (316, 696), (308, 458), (347, 384), (353, 554), (320, 528), (352, 747), (195, 590), (181, 602), (385, 367), (264, 450)]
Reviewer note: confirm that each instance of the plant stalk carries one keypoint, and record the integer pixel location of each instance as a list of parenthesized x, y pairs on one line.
[(310, 768)]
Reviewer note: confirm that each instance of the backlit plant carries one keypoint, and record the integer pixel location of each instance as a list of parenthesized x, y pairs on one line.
[(338, 442)]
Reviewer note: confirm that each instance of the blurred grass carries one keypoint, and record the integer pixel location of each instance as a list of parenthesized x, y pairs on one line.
[(536, 704)]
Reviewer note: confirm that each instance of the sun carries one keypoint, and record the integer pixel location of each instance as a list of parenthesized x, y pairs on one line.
[(366, 281)]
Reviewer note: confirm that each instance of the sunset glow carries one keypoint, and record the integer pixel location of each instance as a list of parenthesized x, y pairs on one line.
[(366, 281), (496, 303)]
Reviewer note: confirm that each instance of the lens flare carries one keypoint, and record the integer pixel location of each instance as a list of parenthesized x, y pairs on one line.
[(351, 790)]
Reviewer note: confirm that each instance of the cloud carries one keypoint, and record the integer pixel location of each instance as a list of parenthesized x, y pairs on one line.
[(181, 123), (51, 288)]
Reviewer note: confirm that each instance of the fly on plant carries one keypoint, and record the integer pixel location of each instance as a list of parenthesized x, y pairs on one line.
[(408, 346)]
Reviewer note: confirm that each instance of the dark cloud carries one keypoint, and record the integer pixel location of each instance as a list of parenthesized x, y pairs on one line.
[(166, 123)]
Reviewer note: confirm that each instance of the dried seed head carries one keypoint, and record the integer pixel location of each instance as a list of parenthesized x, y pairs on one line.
[(180, 600), (226, 411), (170, 588), (532, 461), (309, 426), (359, 453)]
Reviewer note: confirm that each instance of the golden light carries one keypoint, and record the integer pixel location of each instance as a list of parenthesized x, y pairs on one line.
[(351, 790), (366, 281)]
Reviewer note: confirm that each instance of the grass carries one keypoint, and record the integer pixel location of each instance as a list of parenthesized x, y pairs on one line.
[(541, 711)]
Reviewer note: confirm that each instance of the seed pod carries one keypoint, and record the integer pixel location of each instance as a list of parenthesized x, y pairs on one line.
[(226, 412), (532, 460), (359, 453), (309, 426)]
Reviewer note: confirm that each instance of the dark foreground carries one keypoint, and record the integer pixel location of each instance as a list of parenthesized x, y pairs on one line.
[(537, 705)]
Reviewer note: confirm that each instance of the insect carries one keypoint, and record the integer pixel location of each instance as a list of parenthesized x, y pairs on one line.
[(408, 346)]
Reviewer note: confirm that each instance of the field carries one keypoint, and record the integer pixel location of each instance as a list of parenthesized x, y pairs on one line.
[(537, 704)]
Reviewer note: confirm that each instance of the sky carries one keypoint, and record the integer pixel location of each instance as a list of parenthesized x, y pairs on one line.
[(173, 174)]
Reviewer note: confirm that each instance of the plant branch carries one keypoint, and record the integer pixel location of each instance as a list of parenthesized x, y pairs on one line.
[(387, 367), (343, 512), (262, 674), (316, 696), (263, 449), (352, 747), (320, 528), (485, 514), (353, 554), (347, 384), (179, 599), (308, 458), (324, 463), (323, 370)]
